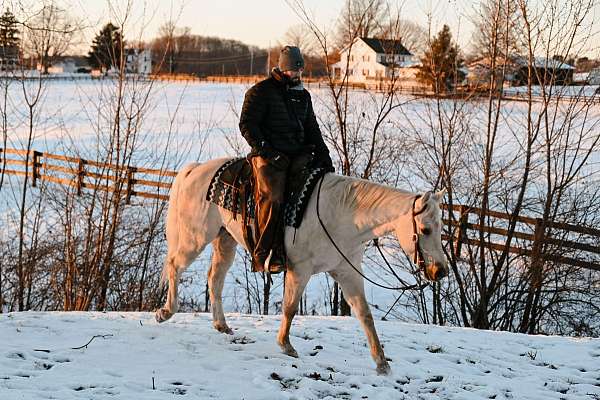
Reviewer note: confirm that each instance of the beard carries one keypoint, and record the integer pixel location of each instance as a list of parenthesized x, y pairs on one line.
[(295, 81)]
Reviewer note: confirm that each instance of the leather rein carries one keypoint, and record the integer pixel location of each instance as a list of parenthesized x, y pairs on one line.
[(418, 258)]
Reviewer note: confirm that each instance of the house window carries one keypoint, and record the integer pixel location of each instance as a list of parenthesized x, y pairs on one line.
[(351, 58), (350, 72), (366, 58), (365, 72)]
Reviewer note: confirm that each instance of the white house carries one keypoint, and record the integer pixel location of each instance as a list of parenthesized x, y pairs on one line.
[(593, 77), (138, 61), (374, 59)]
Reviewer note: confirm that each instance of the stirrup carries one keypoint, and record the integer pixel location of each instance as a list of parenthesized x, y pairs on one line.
[(276, 267)]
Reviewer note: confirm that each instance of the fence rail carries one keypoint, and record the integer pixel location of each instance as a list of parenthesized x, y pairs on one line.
[(562, 243), (81, 174)]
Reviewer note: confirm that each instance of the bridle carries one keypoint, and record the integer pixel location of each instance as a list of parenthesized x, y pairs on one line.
[(418, 258)]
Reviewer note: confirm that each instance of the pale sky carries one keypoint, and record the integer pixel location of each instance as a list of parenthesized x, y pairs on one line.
[(257, 22), (264, 22)]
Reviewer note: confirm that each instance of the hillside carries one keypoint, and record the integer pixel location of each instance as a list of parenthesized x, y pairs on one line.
[(186, 357)]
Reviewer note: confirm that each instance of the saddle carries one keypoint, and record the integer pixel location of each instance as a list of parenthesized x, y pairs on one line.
[(232, 186)]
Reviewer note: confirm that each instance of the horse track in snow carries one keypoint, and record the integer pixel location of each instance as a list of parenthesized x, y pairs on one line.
[(186, 357)]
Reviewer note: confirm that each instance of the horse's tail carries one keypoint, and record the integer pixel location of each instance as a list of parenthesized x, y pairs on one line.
[(172, 228)]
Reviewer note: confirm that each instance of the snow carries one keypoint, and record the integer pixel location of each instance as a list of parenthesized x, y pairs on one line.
[(562, 92), (187, 357)]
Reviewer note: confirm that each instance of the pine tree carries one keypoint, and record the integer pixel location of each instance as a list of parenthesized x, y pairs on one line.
[(9, 38), (9, 34), (106, 48), (441, 63)]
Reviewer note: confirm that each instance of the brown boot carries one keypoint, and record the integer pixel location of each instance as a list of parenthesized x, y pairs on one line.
[(269, 180), (257, 265)]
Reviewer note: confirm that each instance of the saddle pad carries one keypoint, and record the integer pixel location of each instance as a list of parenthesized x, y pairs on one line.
[(225, 190)]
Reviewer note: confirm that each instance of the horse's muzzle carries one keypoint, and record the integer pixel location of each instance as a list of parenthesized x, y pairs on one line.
[(436, 272)]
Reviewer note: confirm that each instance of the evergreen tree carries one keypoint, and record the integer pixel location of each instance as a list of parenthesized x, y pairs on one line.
[(441, 63), (9, 40), (106, 48), (9, 34)]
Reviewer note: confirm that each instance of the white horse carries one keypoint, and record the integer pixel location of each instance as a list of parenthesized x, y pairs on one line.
[(354, 211)]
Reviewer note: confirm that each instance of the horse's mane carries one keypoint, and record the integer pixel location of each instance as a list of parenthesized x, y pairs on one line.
[(361, 195)]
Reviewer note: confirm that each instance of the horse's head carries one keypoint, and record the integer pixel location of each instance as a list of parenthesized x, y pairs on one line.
[(420, 235)]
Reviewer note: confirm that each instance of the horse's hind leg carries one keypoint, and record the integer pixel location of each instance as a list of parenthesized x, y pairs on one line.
[(175, 265), (222, 257), (183, 250)]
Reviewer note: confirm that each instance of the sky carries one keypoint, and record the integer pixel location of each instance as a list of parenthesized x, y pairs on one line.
[(264, 22), (257, 22)]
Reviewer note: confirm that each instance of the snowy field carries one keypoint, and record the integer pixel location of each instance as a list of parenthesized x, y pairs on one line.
[(199, 122), (186, 358)]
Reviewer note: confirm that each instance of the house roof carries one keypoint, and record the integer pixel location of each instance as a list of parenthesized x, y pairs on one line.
[(521, 61), (543, 62), (386, 46)]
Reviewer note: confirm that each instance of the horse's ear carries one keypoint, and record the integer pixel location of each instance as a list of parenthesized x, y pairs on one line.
[(425, 197), (439, 195)]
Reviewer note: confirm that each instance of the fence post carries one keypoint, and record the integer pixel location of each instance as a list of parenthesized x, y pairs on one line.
[(529, 312), (80, 175), (34, 172), (130, 183), (536, 253), (461, 232)]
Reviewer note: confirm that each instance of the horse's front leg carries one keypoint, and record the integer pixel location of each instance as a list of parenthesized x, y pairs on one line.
[(294, 287), (354, 292)]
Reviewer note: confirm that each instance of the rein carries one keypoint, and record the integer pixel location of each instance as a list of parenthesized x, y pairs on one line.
[(420, 256)]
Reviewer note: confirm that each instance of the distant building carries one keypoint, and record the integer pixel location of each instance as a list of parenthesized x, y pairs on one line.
[(138, 61), (545, 71), (594, 77), (68, 65), (516, 71), (375, 59), (479, 72), (9, 57)]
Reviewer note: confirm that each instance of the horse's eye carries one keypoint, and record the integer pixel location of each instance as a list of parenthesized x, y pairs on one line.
[(426, 231)]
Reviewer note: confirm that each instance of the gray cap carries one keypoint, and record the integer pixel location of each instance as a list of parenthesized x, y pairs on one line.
[(290, 59)]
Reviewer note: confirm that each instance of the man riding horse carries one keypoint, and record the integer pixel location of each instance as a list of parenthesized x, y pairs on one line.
[(279, 124)]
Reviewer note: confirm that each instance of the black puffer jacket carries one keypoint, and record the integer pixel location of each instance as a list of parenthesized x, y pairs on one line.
[(277, 117)]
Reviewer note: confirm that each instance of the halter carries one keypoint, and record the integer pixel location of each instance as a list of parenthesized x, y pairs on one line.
[(418, 257)]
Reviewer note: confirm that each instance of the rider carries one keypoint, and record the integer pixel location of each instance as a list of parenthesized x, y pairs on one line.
[(279, 124)]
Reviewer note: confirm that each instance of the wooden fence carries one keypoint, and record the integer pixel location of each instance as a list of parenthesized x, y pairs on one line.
[(563, 243), (82, 174)]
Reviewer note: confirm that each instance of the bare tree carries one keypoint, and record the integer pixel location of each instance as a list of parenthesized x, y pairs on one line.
[(524, 159), (49, 33), (412, 35), (361, 18), (302, 37), (491, 37)]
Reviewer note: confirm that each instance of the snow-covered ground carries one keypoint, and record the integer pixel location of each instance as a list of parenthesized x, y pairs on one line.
[(138, 359), (588, 91)]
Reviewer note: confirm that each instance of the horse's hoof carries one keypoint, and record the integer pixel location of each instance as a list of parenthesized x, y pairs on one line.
[(224, 329), (384, 369), (289, 350), (162, 315)]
